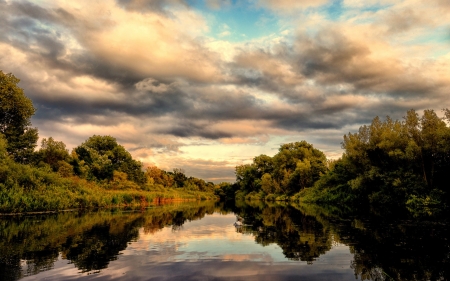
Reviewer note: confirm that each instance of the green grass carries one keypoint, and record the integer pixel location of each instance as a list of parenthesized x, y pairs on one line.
[(79, 194), (35, 190)]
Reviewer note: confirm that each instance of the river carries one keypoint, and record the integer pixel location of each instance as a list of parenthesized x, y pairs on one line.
[(200, 241)]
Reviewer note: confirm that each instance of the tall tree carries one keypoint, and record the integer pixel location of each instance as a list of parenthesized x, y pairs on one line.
[(296, 166), (15, 112), (103, 155), (53, 153)]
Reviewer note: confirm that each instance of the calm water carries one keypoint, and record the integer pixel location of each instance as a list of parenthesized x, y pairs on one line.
[(198, 241)]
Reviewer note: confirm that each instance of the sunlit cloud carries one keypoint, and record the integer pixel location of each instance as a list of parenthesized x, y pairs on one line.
[(172, 83)]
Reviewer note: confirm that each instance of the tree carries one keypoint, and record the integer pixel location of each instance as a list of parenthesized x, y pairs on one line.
[(157, 176), (53, 153), (247, 177), (103, 155), (267, 184), (15, 112), (296, 166), (3, 147), (179, 177), (391, 161), (263, 164)]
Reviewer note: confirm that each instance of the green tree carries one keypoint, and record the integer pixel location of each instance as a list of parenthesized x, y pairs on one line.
[(393, 162), (103, 155), (298, 165), (3, 148), (247, 177), (434, 134), (15, 112), (156, 176), (53, 153), (267, 184), (263, 164), (179, 177)]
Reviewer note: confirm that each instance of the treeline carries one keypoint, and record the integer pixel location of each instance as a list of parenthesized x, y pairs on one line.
[(393, 162), (102, 160), (51, 178)]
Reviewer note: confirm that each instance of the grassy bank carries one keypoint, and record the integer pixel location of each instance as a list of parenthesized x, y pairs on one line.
[(31, 189), (75, 193), (28, 188), (80, 194)]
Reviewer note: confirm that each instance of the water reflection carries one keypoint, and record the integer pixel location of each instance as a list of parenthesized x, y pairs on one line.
[(31, 244), (300, 236), (385, 246), (193, 241)]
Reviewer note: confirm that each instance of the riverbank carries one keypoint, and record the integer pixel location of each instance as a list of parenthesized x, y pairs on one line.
[(76, 193)]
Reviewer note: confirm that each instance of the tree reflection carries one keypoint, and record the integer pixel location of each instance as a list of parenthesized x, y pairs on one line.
[(384, 246), (300, 236), (31, 244), (402, 251)]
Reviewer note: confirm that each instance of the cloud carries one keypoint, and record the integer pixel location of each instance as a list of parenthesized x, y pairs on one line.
[(265, 70), (368, 3), (289, 5), (108, 42), (218, 4), (150, 74), (404, 20), (152, 85), (149, 5)]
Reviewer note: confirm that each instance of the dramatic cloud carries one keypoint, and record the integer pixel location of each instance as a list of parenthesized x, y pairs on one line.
[(289, 5), (188, 84)]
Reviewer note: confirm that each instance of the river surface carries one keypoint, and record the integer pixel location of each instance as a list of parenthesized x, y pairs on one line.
[(200, 241)]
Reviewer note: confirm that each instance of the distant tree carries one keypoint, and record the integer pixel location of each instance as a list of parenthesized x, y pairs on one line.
[(296, 166), (226, 190), (247, 177), (15, 112), (179, 177), (3, 148), (160, 177), (102, 155), (267, 184), (263, 164), (53, 153)]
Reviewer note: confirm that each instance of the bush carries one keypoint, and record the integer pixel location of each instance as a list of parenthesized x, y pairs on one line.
[(283, 197), (426, 205), (254, 196)]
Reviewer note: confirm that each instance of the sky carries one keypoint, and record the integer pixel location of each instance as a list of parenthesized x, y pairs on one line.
[(208, 85)]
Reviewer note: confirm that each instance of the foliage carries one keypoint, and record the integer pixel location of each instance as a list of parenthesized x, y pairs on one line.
[(296, 166), (430, 204), (255, 196), (36, 189), (54, 154), (226, 190), (15, 112), (391, 162), (100, 156), (25, 188)]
